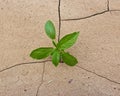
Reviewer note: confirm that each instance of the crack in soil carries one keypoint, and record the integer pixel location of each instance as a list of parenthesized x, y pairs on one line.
[(104, 77), (20, 64), (59, 16), (108, 5), (40, 84), (99, 13), (93, 15)]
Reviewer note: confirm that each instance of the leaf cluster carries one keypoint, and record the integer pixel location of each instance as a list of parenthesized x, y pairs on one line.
[(58, 51)]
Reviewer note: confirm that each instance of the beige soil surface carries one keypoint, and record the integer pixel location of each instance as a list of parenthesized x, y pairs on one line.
[(97, 49)]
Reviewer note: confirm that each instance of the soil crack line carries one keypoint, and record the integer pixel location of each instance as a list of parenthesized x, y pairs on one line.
[(21, 64), (37, 93), (99, 13), (93, 15), (59, 15), (98, 75), (108, 5)]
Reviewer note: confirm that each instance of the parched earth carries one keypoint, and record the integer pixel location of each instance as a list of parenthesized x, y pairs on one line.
[(97, 49)]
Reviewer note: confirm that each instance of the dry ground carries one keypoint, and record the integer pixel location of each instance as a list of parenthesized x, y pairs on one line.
[(97, 50)]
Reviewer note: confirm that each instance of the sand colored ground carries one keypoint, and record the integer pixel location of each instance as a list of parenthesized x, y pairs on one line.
[(97, 49)]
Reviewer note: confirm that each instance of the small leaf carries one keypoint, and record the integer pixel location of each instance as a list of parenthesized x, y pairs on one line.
[(50, 29), (67, 41), (41, 53), (56, 58), (69, 59)]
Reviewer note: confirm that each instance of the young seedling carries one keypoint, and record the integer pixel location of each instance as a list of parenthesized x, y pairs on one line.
[(58, 51)]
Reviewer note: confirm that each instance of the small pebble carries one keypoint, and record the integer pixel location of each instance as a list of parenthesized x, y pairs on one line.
[(70, 81)]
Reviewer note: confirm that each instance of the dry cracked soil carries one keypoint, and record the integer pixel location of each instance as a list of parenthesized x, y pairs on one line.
[(97, 49)]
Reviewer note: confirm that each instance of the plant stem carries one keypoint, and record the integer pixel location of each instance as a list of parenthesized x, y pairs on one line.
[(54, 43)]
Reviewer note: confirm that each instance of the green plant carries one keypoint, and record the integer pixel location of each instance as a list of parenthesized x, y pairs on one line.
[(57, 52)]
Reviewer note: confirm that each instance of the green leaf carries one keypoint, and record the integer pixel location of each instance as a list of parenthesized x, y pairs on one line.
[(69, 59), (41, 53), (67, 41), (50, 29), (56, 58)]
